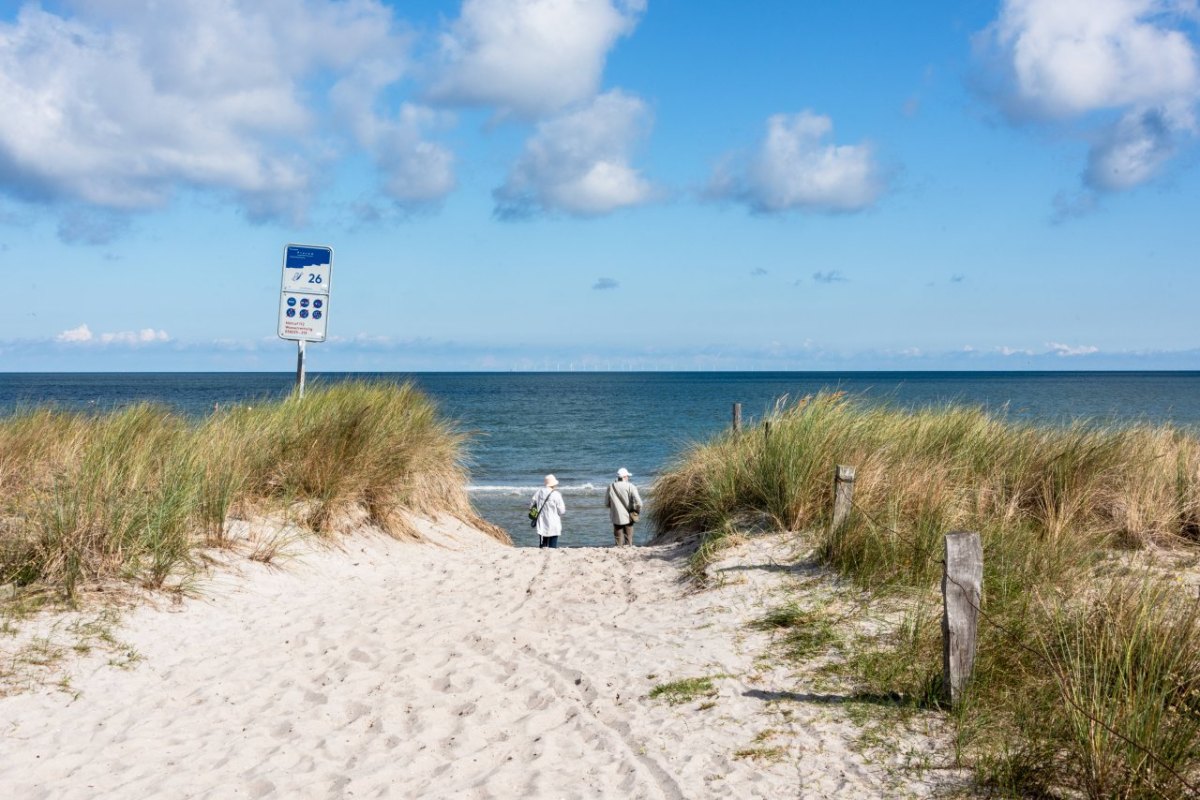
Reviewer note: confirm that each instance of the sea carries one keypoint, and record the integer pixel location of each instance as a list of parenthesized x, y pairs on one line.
[(583, 426)]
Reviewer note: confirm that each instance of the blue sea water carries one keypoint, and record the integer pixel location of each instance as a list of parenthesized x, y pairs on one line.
[(583, 426)]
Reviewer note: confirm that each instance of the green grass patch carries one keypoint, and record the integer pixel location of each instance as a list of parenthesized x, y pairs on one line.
[(1087, 679), (684, 690), (804, 633)]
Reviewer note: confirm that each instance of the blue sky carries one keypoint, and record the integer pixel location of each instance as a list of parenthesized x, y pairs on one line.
[(603, 184)]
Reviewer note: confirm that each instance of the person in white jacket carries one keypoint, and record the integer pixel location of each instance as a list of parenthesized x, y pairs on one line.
[(551, 509), (623, 503)]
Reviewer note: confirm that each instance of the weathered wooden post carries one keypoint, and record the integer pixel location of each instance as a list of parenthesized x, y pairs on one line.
[(962, 589), (843, 495), (767, 430), (737, 417)]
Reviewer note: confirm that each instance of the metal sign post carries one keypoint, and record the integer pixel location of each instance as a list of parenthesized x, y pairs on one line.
[(300, 367), (304, 299)]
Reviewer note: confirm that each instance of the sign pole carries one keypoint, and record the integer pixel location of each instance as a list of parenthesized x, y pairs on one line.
[(304, 299), (300, 367)]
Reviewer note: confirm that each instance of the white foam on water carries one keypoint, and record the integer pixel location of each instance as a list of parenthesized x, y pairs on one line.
[(579, 488)]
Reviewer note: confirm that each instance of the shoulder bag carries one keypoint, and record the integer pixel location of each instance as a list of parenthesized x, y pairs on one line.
[(535, 511)]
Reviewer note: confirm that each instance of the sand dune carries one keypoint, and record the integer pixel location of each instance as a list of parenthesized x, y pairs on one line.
[(459, 669)]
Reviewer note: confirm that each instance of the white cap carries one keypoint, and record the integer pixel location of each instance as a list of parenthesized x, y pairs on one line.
[(622, 473), (550, 480)]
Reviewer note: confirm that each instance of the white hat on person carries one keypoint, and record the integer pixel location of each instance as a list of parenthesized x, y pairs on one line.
[(551, 480), (622, 473)]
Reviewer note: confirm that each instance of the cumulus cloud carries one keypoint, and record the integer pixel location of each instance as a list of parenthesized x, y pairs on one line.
[(1060, 349), (1070, 57), (128, 101), (75, 335), (797, 167), (415, 171), (83, 335), (1122, 67), (531, 57), (579, 162), (1135, 149), (758, 272), (605, 283)]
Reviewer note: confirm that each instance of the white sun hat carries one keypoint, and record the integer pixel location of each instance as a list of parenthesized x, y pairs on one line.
[(622, 473), (550, 480)]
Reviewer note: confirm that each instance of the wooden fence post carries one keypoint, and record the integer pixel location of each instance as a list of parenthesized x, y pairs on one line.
[(962, 589), (737, 417), (843, 495)]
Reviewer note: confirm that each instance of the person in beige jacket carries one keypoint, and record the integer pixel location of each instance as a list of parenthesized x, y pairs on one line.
[(623, 503)]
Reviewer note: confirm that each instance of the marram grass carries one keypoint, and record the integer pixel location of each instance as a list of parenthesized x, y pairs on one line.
[(1088, 672), (132, 494)]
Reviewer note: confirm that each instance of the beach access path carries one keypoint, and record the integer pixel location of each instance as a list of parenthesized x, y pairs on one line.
[(459, 668)]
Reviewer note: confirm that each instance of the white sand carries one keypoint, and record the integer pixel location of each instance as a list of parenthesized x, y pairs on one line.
[(463, 669)]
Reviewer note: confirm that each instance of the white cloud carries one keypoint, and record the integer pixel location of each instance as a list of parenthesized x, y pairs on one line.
[(796, 167), (75, 335), (1057, 349), (1134, 150), (531, 57), (1087, 60), (83, 335), (1069, 57), (1060, 349), (122, 104), (579, 162), (414, 171)]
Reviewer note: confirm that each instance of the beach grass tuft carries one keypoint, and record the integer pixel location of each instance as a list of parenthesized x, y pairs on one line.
[(684, 690), (132, 494), (1087, 678)]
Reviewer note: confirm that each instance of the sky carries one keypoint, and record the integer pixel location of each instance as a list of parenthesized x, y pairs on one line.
[(602, 184)]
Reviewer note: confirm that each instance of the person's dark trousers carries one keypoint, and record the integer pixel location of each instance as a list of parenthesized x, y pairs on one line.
[(547, 541), (623, 534)]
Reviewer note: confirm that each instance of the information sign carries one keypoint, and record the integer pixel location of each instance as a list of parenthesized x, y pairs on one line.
[(304, 292)]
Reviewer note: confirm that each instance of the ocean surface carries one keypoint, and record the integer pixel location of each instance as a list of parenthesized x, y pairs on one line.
[(584, 426)]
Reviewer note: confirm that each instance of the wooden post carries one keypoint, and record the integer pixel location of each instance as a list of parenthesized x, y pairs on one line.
[(767, 430), (737, 417), (962, 589), (843, 495)]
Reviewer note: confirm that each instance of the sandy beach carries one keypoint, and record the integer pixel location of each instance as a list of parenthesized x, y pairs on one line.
[(457, 668)]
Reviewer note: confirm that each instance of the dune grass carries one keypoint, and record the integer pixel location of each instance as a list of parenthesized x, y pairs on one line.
[(131, 495), (1087, 665)]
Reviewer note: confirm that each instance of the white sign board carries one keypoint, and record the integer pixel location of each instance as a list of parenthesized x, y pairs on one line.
[(304, 292)]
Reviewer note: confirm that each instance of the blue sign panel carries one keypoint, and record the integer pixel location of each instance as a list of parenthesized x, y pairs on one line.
[(304, 288), (299, 257)]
